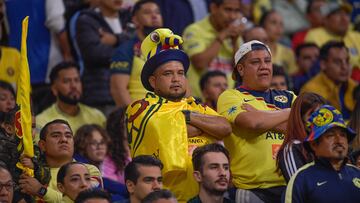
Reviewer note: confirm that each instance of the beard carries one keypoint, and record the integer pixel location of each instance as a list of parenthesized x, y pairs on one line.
[(68, 100), (173, 96)]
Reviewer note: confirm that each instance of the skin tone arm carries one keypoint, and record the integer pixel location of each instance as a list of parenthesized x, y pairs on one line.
[(119, 89), (262, 121), (215, 126), (64, 45)]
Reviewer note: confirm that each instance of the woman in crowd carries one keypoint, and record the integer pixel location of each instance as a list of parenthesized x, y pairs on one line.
[(73, 178), (292, 155), (92, 146), (114, 165), (273, 24), (7, 96)]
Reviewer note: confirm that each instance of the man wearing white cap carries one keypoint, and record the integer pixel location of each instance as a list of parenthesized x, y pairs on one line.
[(258, 116)]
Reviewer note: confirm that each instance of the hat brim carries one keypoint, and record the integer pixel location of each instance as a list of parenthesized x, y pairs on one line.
[(320, 131), (164, 56)]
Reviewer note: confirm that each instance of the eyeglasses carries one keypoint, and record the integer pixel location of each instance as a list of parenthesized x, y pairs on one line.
[(8, 186), (97, 144)]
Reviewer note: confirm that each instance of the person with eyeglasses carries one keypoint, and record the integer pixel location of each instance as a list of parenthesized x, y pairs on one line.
[(6, 185), (92, 147)]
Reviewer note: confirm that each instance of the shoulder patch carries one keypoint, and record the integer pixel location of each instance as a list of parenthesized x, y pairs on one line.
[(356, 182), (281, 98)]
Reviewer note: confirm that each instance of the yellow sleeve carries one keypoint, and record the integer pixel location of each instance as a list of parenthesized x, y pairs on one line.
[(52, 195), (193, 42), (229, 104)]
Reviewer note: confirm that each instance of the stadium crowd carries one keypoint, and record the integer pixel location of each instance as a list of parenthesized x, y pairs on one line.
[(213, 101)]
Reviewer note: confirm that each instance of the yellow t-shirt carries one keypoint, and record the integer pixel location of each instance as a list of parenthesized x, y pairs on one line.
[(9, 64), (157, 127), (86, 115), (54, 195), (320, 36), (253, 155), (285, 57), (198, 37)]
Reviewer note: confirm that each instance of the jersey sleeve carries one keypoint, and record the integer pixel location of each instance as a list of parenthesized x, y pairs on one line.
[(193, 42), (229, 105), (121, 62)]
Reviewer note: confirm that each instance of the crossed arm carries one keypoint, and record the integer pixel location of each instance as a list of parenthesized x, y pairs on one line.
[(216, 126), (261, 121)]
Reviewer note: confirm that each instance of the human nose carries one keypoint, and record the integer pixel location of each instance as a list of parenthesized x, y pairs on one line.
[(156, 185)]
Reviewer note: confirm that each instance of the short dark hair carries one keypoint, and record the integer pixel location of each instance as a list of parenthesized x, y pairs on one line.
[(92, 193), (64, 170), (325, 49), (54, 74), (139, 3), (302, 46), (43, 130), (7, 86), (217, 2), (158, 194), (131, 172), (210, 74), (201, 151)]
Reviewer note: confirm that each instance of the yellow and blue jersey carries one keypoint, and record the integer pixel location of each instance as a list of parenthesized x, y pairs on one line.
[(253, 155)]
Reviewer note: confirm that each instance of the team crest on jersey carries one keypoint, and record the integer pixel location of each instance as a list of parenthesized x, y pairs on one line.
[(356, 182), (325, 116), (281, 98), (232, 110)]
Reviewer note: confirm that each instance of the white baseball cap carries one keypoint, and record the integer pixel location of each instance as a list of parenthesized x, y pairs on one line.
[(246, 48)]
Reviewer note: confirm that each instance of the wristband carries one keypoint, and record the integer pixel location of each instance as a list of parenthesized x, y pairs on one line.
[(187, 116), (42, 191)]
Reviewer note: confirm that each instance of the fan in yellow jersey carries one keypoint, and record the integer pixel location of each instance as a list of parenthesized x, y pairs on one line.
[(165, 124), (258, 116)]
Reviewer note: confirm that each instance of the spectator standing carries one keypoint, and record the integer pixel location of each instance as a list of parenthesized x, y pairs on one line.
[(127, 62), (211, 42), (98, 32)]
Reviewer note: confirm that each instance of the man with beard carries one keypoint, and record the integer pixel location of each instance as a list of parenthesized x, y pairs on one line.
[(165, 124), (126, 65), (212, 172), (328, 178), (67, 88)]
